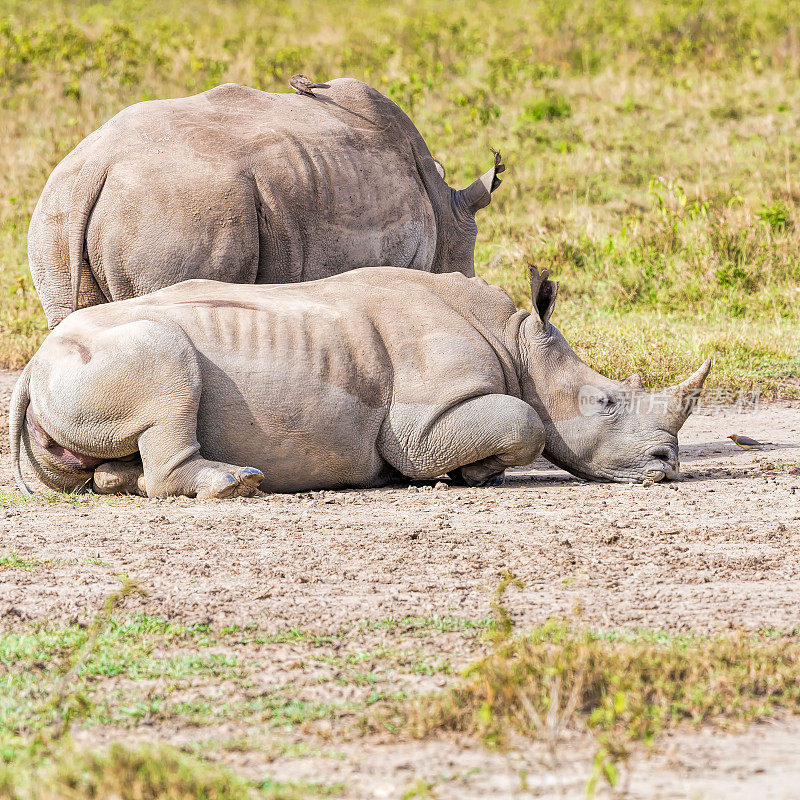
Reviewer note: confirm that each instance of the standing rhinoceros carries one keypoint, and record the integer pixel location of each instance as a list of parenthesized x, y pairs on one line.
[(244, 186), (355, 380)]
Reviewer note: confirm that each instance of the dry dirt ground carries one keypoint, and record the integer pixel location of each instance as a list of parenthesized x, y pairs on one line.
[(719, 549)]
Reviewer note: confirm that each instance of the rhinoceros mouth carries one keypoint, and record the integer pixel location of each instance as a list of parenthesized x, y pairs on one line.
[(656, 472), (664, 460), (652, 469)]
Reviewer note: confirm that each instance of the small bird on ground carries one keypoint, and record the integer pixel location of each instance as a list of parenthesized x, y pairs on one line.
[(303, 85), (745, 442)]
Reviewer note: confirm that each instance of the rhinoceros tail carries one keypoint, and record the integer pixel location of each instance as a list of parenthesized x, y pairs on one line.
[(87, 188), (16, 419)]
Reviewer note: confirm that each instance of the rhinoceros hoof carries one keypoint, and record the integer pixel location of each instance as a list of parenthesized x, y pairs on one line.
[(498, 479), (477, 475), (119, 477), (242, 483)]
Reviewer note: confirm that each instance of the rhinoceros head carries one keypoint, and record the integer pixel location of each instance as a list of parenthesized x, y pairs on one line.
[(595, 427)]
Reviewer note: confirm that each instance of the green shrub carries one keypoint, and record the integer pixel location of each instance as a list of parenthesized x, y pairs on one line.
[(777, 216), (546, 108)]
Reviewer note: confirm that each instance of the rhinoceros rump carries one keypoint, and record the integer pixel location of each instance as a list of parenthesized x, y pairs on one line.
[(244, 186), (355, 380)]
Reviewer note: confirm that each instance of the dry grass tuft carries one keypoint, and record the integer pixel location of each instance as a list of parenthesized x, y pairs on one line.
[(622, 687), (628, 686), (143, 773)]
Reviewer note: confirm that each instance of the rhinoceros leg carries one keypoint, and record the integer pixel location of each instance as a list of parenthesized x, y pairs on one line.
[(170, 452), (201, 478), (125, 477), (130, 387), (476, 439), (172, 466)]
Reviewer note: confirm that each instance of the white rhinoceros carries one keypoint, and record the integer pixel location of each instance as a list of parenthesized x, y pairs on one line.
[(359, 380), (244, 186)]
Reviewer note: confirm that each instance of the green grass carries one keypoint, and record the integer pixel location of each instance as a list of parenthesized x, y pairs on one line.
[(420, 789), (13, 561), (117, 671), (167, 672), (124, 670), (10, 499), (139, 772), (422, 626), (119, 772), (792, 467), (32, 664), (651, 147)]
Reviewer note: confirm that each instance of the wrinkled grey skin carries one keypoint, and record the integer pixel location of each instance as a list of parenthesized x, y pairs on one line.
[(355, 380), (245, 186)]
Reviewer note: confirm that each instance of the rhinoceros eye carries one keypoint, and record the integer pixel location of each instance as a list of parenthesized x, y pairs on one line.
[(595, 401), (609, 404)]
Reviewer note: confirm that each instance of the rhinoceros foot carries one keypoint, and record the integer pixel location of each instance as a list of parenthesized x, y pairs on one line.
[(119, 477), (243, 482), (483, 473)]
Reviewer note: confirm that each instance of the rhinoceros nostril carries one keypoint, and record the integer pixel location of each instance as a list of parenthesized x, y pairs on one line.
[(664, 453)]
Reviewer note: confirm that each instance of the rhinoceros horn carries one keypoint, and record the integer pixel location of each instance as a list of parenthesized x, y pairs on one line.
[(633, 381), (681, 398), (479, 193)]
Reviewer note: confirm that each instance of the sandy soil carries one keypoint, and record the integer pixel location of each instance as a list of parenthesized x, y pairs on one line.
[(719, 549)]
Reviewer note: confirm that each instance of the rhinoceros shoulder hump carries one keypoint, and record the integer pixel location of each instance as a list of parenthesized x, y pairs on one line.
[(231, 93), (492, 293)]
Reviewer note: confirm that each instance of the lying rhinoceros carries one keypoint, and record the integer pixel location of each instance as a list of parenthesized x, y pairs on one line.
[(356, 380), (243, 186)]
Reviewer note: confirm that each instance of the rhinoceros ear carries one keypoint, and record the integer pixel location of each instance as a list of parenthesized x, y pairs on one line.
[(439, 168), (498, 168), (543, 293), (479, 193)]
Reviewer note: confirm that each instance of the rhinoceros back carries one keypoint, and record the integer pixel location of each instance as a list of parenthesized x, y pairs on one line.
[(382, 334), (241, 186)]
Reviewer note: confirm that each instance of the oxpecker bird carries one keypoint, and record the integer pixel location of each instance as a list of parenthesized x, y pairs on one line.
[(303, 85), (745, 442)]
